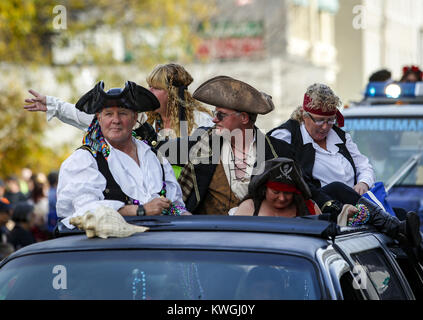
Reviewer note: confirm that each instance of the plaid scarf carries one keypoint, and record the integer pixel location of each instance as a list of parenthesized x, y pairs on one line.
[(187, 179)]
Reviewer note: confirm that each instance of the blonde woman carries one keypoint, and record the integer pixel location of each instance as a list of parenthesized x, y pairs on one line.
[(169, 83)]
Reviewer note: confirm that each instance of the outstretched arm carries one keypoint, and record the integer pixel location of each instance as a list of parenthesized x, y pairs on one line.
[(54, 107)]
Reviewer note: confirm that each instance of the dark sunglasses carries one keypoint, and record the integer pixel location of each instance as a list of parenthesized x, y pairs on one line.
[(221, 115)]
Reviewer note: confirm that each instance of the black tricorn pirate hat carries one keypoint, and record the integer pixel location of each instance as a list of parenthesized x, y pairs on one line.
[(282, 170), (132, 96)]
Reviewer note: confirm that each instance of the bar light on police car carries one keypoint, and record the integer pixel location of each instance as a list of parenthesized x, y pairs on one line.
[(393, 90)]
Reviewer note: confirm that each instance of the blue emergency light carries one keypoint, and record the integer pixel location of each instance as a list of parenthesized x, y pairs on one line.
[(394, 90)]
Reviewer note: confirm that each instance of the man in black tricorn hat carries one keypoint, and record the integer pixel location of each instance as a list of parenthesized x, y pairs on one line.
[(112, 168), (217, 182)]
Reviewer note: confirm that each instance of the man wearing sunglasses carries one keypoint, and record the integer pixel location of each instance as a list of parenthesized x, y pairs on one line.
[(325, 152), (235, 148)]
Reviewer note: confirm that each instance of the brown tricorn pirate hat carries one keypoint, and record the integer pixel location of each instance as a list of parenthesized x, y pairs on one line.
[(230, 93)]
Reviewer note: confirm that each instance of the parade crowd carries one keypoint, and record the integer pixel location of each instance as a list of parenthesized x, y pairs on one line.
[(27, 209), (158, 150)]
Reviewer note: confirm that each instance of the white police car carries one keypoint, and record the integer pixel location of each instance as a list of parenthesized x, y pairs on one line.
[(387, 126)]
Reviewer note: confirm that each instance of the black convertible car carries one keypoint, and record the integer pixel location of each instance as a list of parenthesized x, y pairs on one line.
[(216, 258)]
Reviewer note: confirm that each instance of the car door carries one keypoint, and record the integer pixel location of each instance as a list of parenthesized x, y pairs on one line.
[(373, 269)]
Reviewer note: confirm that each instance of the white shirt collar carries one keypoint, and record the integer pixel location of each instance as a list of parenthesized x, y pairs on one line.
[(141, 147), (331, 140)]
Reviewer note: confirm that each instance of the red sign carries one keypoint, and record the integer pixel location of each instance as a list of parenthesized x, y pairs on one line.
[(227, 48)]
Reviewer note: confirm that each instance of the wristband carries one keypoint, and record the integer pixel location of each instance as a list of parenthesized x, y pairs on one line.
[(140, 210)]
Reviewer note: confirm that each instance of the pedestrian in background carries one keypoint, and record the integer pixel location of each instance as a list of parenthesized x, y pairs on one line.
[(39, 200), (2, 188), (52, 178), (13, 191), (21, 234), (411, 74), (5, 212)]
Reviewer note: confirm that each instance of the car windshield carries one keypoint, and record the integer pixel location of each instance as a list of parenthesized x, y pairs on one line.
[(389, 143), (159, 274)]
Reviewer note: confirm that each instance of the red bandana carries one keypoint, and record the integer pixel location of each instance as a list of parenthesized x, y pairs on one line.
[(290, 188), (282, 187), (320, 112)]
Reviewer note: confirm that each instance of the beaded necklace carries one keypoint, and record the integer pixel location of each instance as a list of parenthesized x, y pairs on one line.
[(361, 217), (191, 281), (139, 277)]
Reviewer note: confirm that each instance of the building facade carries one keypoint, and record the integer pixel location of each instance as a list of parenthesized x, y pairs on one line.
[(376, 34)]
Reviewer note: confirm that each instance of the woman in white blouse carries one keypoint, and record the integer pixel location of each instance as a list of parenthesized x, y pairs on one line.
[(327, 155)]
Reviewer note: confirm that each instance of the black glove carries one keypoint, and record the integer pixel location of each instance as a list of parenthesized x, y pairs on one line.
[(330, 210), (406, 232)]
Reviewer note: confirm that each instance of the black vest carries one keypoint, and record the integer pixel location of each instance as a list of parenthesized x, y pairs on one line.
[(113, 191), (305, 153)]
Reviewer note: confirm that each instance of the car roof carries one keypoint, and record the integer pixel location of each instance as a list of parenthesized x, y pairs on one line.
[(296, 236)]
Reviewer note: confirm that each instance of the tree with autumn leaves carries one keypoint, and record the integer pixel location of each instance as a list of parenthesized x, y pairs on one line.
[(154, 31)]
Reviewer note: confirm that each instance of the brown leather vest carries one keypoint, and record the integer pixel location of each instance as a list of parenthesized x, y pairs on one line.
[(219, 197)]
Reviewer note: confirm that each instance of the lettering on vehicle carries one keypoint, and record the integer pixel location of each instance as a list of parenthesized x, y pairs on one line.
[(384, 124)]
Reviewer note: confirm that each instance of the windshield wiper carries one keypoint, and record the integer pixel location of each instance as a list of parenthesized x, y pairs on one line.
[(403, 171)]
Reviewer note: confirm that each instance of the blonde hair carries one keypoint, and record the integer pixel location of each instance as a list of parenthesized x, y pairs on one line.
[(322, 97), (170, 77)]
